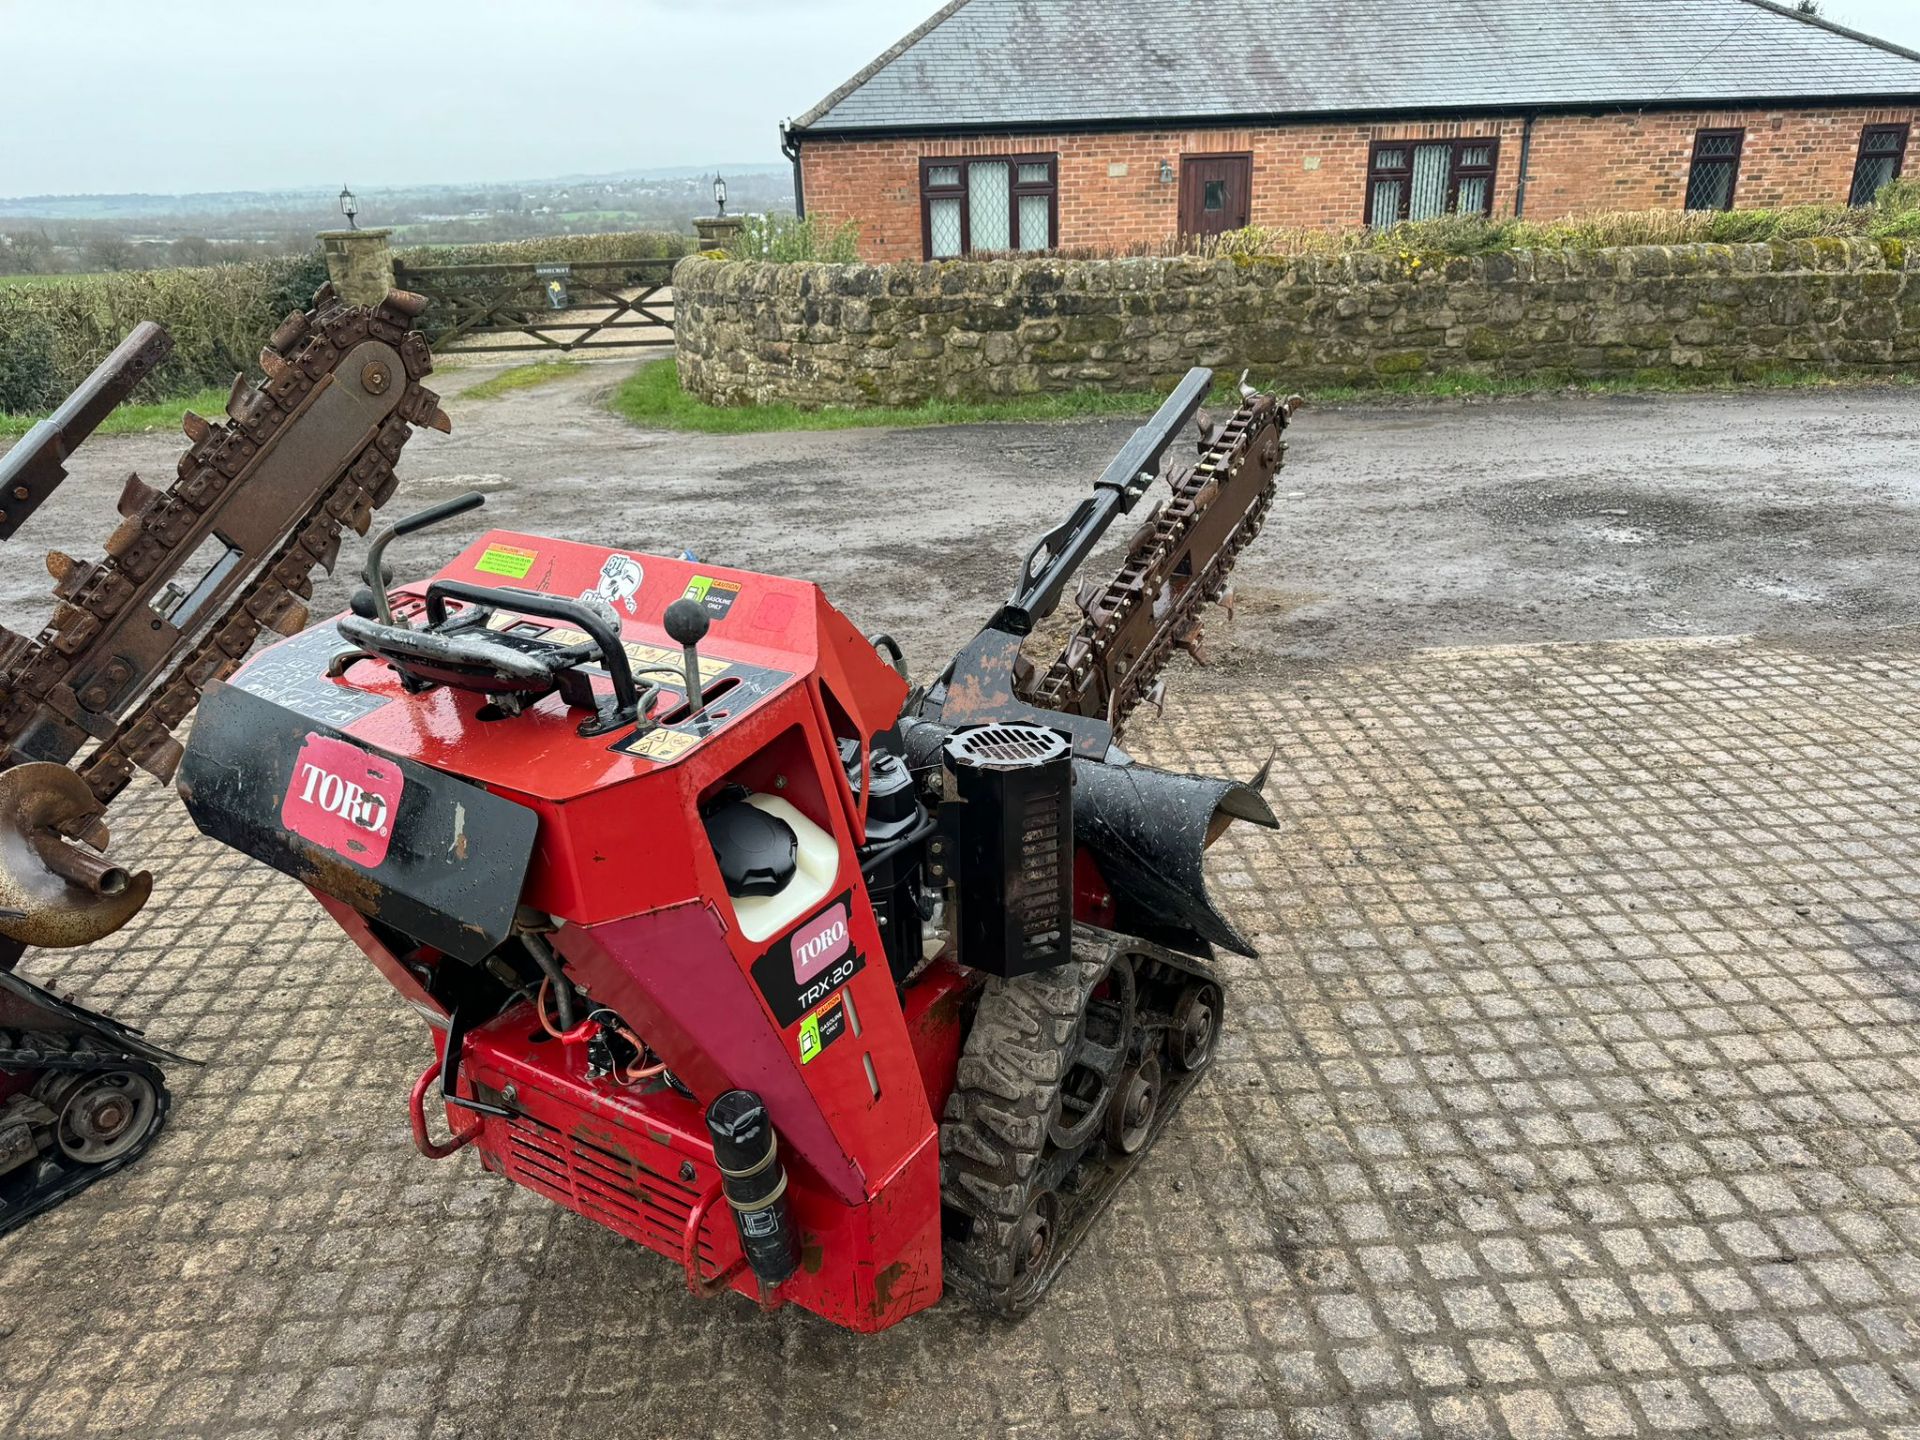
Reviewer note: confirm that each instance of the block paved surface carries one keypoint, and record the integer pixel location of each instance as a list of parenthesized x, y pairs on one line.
[(1573, 1093)]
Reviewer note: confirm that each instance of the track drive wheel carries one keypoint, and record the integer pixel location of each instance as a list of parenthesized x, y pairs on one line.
[(105, 1115)]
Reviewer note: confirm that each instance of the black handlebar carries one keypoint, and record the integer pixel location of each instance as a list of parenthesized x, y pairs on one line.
[(434, 514), (605, 637)]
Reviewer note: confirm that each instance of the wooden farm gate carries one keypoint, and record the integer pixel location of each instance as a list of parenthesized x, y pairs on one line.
[(583, 305)]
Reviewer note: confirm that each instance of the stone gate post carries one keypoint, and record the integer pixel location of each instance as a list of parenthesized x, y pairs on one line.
[(359, 263)]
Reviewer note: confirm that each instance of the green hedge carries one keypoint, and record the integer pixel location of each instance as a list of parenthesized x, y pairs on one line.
[(52, 335), (554, 249)]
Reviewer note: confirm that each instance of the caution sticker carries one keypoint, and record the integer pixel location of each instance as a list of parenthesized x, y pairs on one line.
[(716, 597), (821, 1029), (508, 560), (663, 745)]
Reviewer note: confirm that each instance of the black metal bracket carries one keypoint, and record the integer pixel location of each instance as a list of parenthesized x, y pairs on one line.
[(450, 1072)]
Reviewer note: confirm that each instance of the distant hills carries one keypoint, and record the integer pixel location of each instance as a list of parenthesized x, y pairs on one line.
[(323, 197)]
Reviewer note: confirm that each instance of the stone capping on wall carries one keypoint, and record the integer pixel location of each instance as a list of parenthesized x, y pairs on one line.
[(752, 332)]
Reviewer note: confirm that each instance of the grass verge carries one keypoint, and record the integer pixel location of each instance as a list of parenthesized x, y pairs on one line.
[(652, 397), (520, 377), (137, 419)]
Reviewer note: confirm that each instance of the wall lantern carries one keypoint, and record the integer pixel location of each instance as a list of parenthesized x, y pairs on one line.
[(349, 207), (1166, 172), (720, 194)]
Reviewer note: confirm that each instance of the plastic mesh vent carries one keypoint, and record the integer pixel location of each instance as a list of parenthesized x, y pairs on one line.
[(1007, 747)]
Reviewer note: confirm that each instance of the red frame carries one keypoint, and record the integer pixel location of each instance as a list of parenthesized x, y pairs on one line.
[(1738, 135), (1456, 172), (961, 192), (1899, 153)]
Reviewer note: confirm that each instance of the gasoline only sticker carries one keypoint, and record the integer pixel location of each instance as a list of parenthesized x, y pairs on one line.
[(507, 560), (821, 1029), (715, 596)]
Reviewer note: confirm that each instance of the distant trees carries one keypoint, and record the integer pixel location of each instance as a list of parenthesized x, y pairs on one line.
[(29, 252), (108, 251), (191, 250)]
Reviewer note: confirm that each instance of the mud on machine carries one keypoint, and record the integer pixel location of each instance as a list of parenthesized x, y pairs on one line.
[(834, 989)]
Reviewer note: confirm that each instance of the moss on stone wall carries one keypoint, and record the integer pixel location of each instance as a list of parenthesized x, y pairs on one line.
[(818, 335)]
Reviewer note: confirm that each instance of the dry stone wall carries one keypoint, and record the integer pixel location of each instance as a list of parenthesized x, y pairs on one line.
[(821, 335)]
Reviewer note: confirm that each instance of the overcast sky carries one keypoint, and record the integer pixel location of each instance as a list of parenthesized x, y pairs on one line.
[(175, 96)]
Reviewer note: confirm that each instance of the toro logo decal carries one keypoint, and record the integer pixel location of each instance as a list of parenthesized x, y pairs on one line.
[(343, 799), (819, 943), (802, 971)]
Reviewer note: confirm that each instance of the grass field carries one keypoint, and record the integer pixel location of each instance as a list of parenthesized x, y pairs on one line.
[(29, 281), (652, 397), (137, 419)]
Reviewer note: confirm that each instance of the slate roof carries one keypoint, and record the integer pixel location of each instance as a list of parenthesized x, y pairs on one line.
[(992, 63)]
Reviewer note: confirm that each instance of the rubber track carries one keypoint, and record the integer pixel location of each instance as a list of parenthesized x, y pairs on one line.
[(993, 1136), (21, 1051)]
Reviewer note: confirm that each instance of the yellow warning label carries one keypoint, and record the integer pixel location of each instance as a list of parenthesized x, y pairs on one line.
[(663, 745), (507, 560)]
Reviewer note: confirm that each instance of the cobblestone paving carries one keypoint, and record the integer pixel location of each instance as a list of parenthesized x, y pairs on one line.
[(1573, 1094)]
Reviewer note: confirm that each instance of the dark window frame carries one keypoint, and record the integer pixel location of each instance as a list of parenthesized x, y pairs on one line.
[(1904, 131), (963, 193), (1738, 134), (1456, 172)]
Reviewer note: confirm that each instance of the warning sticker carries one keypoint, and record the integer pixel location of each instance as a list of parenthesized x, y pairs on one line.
[(507, 560), (716, 596), (663, 745), (821, 1029)]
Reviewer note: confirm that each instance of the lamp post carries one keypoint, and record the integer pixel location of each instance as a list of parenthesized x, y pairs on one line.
[(720, 194), (349, 207)]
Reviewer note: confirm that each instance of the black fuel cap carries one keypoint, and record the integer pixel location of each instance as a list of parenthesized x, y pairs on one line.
[(757, 851)]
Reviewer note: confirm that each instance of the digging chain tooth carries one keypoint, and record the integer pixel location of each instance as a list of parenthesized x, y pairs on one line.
[(135, 496), (304, 349), (1092, 651), (291, 331)]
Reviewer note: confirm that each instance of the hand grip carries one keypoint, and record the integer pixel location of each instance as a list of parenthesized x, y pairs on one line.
[(434, 514), (613, 654)]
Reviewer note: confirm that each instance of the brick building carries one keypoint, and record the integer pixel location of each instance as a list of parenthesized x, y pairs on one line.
[(1005, 125)]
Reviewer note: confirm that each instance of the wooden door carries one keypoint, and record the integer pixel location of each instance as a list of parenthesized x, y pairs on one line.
[(1216, 193)]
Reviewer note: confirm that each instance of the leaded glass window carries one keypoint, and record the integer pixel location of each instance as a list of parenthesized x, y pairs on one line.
[(1716, 169), (1883, 153), (988, 205)]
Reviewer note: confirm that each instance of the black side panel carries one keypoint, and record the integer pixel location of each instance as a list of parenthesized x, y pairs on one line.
[(455, 857)]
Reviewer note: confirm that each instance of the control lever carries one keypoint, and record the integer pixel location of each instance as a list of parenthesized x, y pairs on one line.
[(686, 622), (371, 602)]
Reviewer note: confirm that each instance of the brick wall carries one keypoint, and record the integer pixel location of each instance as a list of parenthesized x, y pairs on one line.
[(1112, 197), (814, 335)]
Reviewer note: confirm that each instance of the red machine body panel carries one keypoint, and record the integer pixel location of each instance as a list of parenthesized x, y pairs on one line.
[(645, 927)]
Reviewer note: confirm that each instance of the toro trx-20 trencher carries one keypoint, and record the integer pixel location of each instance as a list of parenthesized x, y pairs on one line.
[(833, 990)]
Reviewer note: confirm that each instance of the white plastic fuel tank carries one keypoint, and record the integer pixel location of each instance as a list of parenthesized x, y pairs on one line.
[(816, 866)]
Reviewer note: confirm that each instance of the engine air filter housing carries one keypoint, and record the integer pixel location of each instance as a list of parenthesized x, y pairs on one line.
[(1013, 847)]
